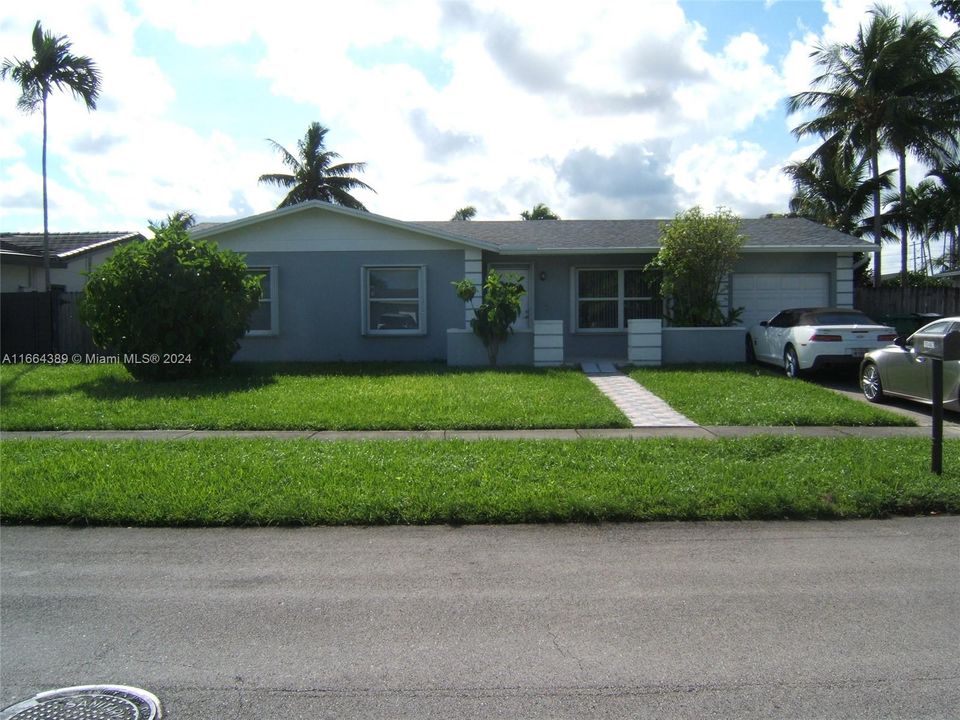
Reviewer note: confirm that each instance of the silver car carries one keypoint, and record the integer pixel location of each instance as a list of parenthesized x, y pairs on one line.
[(898, 371)]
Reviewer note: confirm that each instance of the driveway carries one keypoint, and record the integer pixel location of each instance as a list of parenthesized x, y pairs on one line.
[(846, 383), (721, 620)]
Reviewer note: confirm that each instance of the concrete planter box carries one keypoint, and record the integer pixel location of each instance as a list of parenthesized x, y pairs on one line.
[(466, 350), (703, 345)]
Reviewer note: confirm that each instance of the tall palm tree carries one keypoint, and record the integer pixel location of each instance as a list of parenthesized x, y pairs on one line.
[(943, 207), (924, 114), (540, 212), (853, 95), (832, 187), (52, 67), (314, 174)]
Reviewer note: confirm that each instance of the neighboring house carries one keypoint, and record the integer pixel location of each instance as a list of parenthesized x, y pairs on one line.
[(71, 255), (345, 285)]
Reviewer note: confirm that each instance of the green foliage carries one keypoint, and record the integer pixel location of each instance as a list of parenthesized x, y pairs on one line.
[(52, 67), (315, 173), (696, 252), (171, 296), (949, 9), (500, 308), (915, 279), (540, 212), (465, 213)]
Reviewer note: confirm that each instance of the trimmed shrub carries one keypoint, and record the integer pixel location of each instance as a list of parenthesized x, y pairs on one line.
[(697, 252), (171, 307)]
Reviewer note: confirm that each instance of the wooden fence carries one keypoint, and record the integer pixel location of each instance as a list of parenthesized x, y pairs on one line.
[(40, 322), (897, 302)]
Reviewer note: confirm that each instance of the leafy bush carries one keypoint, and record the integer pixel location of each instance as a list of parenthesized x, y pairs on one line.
[(697, 252), (171, 307), (500, 308)]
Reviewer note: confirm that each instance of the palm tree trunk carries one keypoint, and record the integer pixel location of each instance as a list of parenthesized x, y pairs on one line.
[(903, 220), (46, 228), (877, 229)]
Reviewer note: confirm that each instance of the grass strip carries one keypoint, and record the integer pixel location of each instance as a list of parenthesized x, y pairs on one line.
[(304, 396), (751, 395), (223, 482)]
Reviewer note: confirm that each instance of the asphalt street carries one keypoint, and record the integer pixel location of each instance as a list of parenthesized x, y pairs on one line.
[(853, 619)]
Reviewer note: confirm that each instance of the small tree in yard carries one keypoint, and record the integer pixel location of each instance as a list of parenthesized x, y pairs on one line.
[(493, 320), (696, 252), (172, 307)]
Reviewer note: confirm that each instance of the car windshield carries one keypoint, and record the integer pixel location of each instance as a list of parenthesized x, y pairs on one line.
[(835, 318)]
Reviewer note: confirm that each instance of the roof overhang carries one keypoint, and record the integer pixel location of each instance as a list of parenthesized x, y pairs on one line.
[(212, 232), (70, 254), (12, 257), (520, 250), (860, 247)]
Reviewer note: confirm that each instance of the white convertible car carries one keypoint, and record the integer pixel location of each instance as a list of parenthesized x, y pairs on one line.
[(809, 338)]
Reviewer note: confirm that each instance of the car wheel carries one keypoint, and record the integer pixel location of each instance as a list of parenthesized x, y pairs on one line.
[(751, 355), (870, 383), (791, 364)]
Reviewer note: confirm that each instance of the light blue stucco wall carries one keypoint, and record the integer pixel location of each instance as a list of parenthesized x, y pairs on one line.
[(552, 296), (321, 306)]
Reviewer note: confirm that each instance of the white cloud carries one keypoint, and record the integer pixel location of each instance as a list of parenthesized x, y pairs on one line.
[(526, 87)]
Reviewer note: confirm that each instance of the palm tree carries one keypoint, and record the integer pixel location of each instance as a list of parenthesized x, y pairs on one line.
[(941, 206), (314, 174), (540, 212), (853, 95), (832, 187), (924, 113), (52, 67), (465, 213)]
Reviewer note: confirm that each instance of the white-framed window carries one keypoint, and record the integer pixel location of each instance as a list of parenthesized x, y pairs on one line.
[(266, 318), (394, 299), (606, 298)]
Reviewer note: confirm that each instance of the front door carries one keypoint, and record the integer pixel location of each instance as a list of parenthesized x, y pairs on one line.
[(523, 319)]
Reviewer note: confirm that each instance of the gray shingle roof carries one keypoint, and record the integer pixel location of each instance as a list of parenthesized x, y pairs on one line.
[(559, 235), (62, 244)]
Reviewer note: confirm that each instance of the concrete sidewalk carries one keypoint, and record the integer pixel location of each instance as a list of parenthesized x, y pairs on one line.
[(711, 432)]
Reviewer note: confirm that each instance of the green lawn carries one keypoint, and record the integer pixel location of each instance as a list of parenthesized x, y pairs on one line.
[(750, 395), (303, 397), (302, 482)]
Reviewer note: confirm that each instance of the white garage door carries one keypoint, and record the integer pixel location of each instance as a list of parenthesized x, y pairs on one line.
[(763, 295)]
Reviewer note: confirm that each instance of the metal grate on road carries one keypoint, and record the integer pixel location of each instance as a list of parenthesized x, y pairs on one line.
[(87, 702)]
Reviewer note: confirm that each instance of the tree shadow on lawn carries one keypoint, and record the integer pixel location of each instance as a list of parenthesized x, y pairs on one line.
[(246, 377), (232, 379), (237, 378)]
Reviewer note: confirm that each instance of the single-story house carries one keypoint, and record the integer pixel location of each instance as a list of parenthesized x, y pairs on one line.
[(345, 285), (71, 255)]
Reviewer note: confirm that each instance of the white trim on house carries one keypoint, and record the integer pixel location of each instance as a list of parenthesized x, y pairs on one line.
[(209, 232), (273, 273), (844, 291), (421, 302), (621, 299), (472, 271)]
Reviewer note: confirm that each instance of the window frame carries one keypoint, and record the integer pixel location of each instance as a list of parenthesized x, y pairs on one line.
[(366, 300), (272, 272), (620, 299)]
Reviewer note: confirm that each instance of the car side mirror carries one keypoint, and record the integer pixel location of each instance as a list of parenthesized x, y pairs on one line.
[(763, 323), (900, 341)]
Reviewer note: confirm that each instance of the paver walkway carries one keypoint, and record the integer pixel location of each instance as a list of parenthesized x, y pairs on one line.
[(642, 407)]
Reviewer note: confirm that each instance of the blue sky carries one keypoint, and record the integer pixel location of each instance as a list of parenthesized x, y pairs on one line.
[(609, 109)]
